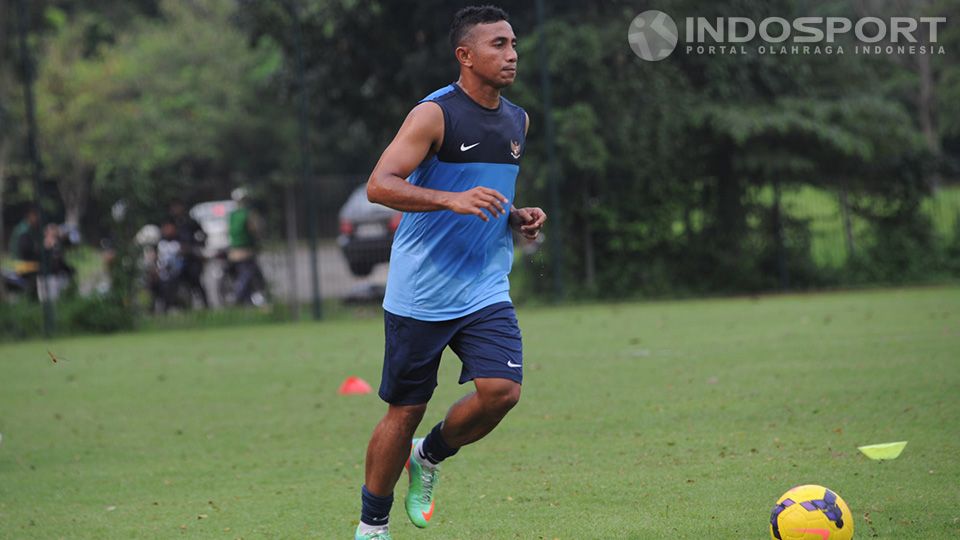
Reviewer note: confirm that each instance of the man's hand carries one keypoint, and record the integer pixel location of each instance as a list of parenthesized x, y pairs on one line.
[(528, 221), (475, 201)]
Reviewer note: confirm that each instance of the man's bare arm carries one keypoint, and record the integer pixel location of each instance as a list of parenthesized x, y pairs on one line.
[(420, 136), (527, 221)]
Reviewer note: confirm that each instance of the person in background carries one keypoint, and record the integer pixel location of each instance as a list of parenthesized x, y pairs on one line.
[(59, 273), (147, 239), (170, 264), (26, 250), (191, 237), (245, 227)]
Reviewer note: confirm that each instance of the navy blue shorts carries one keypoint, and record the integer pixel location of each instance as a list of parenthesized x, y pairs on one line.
[(487, 342)]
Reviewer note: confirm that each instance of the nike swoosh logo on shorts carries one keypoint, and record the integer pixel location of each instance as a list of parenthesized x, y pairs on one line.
[(511, 364), (464, 148)]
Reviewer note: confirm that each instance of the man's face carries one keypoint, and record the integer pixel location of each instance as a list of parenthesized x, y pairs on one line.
[(491, 52)]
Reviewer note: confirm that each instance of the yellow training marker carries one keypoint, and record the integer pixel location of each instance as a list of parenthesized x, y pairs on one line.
[(883, 451)]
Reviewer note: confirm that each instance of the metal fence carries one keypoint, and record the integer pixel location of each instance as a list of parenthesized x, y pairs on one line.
[(354, 239)]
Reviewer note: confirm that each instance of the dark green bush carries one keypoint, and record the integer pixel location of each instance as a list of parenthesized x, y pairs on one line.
[(95, 314), (902, 249), (20, 320)]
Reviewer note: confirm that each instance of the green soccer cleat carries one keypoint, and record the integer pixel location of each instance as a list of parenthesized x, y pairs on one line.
[(419, 500), (382, 535)]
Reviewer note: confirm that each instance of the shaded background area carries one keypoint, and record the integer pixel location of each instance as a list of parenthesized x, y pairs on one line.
[(695, 175)]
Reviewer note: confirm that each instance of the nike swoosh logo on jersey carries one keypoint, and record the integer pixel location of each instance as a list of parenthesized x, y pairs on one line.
[(464, 148), (511, 364)]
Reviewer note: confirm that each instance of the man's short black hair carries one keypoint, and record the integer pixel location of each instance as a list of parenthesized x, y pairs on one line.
[(470, 16)]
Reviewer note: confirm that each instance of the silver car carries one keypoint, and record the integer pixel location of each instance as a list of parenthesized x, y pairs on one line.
[(366, 232)]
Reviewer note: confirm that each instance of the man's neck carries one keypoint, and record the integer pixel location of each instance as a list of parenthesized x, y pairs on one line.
[(484, 94)]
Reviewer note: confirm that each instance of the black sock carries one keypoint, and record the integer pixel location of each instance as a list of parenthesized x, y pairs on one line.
[(375, 510), (435, 449)]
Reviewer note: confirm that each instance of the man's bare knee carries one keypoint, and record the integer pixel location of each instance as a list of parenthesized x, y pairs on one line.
[(406, 417), (510, 398), (500, 396)]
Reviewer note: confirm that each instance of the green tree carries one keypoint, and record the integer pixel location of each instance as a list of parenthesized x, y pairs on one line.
[(170, 108), (691, 138)]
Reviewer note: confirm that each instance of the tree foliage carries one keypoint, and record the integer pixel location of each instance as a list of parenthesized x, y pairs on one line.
[(172, 103), (660, 163)]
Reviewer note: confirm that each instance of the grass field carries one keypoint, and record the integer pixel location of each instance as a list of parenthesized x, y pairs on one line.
[(647, 421)]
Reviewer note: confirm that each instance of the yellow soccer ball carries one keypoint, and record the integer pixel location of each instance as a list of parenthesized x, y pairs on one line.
[(811, 513)]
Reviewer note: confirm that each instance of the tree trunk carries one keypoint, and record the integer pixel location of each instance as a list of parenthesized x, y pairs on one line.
[(589, 252), (6, 75), (926, 109), (290, 210), (4, 152), (687, 224), (73, 190), (4, 17), (730, 214), (778, 237), (847, 227)]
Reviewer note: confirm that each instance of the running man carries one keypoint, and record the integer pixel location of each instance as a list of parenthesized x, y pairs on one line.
[(452, 170)]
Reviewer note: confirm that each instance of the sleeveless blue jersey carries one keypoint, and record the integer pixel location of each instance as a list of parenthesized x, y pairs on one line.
[(444, 265)]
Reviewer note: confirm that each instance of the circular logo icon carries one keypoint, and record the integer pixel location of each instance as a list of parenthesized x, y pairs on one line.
[(652, 35)]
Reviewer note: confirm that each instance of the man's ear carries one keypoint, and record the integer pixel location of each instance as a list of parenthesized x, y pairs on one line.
[(464, 56)]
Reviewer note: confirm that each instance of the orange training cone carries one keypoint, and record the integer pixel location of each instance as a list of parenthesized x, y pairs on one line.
[(354, 385)]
